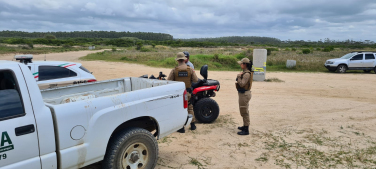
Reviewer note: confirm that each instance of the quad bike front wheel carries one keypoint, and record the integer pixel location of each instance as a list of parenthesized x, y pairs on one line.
[(206, 110)]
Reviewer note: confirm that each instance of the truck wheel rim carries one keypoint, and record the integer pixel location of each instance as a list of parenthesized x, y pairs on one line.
[(135, 156)]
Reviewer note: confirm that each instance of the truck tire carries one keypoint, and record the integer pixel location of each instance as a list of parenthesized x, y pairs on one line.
[(130, 149), (206, 110), (342, 69)]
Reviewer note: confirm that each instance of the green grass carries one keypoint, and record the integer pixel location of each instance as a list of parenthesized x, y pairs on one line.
[(24, 49), (224, 59)]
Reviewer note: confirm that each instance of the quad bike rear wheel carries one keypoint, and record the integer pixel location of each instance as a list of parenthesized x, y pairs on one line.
[(206, 110)]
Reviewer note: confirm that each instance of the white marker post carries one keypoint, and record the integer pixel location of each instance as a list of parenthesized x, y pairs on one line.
[(259, 64)]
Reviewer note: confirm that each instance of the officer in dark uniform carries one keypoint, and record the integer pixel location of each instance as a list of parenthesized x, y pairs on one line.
[(186, 74), (243, 85)]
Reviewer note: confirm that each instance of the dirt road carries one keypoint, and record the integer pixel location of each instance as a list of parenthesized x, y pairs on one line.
[(310, 113)]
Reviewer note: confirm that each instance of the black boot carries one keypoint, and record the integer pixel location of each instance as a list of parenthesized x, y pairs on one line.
[(241, 128), (193, 126), (245, 131), (182, 130)]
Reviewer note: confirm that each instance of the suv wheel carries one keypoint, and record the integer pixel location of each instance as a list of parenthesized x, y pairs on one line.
[(342, 69)]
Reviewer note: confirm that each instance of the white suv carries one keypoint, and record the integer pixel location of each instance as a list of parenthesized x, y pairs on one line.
[(353, 61), (49, 74)]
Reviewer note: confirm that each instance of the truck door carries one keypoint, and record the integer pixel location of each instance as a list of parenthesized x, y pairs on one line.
[(19, 146), (356, 62), (369, 60)]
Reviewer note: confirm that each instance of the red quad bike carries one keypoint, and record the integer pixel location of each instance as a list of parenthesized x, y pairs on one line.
[(206, 109)]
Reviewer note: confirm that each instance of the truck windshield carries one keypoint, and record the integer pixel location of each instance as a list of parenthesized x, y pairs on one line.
[(348, 56)]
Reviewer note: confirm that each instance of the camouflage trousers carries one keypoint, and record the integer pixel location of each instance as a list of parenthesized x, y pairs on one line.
[(190, 108), (244, 99)]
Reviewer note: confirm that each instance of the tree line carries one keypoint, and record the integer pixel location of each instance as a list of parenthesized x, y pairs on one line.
[(128, 39), (89, 34)]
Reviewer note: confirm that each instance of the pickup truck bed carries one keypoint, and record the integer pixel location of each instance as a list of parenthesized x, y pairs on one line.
[(88, 111), (75, 93)]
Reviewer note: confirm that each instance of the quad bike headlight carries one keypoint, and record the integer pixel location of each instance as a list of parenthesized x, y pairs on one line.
[(218, 87)]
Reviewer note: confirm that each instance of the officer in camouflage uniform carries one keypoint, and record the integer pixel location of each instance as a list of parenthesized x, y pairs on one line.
[(186, 74), (243, 85)]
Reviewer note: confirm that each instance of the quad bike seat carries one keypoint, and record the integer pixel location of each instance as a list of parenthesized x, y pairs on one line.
[(210, 82)]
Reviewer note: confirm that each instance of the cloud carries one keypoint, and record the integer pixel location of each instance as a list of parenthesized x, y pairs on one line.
[(284, 19)]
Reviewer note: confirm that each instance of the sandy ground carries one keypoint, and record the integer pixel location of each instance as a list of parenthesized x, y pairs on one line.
[(304, 108)]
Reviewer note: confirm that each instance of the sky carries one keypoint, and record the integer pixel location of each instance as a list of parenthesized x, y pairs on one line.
[(283, 19)]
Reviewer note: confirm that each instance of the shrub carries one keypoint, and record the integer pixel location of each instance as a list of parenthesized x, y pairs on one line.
[(144, 49), (293, 49), (318, 49), (114, 49), (49, 36), (216, 57), (126, 59), (269, 51), (269, 63), (153, 44), (67, 46), (139, 45), (306, 51), (328, 49), (31, 45)]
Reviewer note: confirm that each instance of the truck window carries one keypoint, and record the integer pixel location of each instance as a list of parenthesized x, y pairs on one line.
[(358, 57), (370, 56), (10, 99), (54, 72)]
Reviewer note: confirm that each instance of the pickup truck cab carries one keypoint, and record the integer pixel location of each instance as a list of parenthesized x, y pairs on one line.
[(353, 61), (117, 121)]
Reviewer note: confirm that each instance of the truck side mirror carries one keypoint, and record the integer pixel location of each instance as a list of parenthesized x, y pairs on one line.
[(204, 71)]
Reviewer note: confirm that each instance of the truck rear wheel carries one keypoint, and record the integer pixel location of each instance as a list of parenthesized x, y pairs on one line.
[(206, 110), (134, 148)]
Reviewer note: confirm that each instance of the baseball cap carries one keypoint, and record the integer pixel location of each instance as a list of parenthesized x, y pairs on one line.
[(244, 60), (180, 56)]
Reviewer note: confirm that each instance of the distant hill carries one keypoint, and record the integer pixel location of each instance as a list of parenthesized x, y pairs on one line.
[(89, 34), (238, 40)]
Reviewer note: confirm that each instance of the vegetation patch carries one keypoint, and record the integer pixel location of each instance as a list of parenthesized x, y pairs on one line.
[(223, 59), (319, 150), (274, 80)]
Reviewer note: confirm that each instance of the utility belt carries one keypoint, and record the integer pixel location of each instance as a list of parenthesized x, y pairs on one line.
[(242, 90), (189, 90)]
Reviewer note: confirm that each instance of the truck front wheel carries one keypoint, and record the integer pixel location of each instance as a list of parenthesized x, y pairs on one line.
[(131, 149)]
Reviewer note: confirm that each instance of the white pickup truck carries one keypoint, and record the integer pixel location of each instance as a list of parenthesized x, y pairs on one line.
[(117, 121)]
